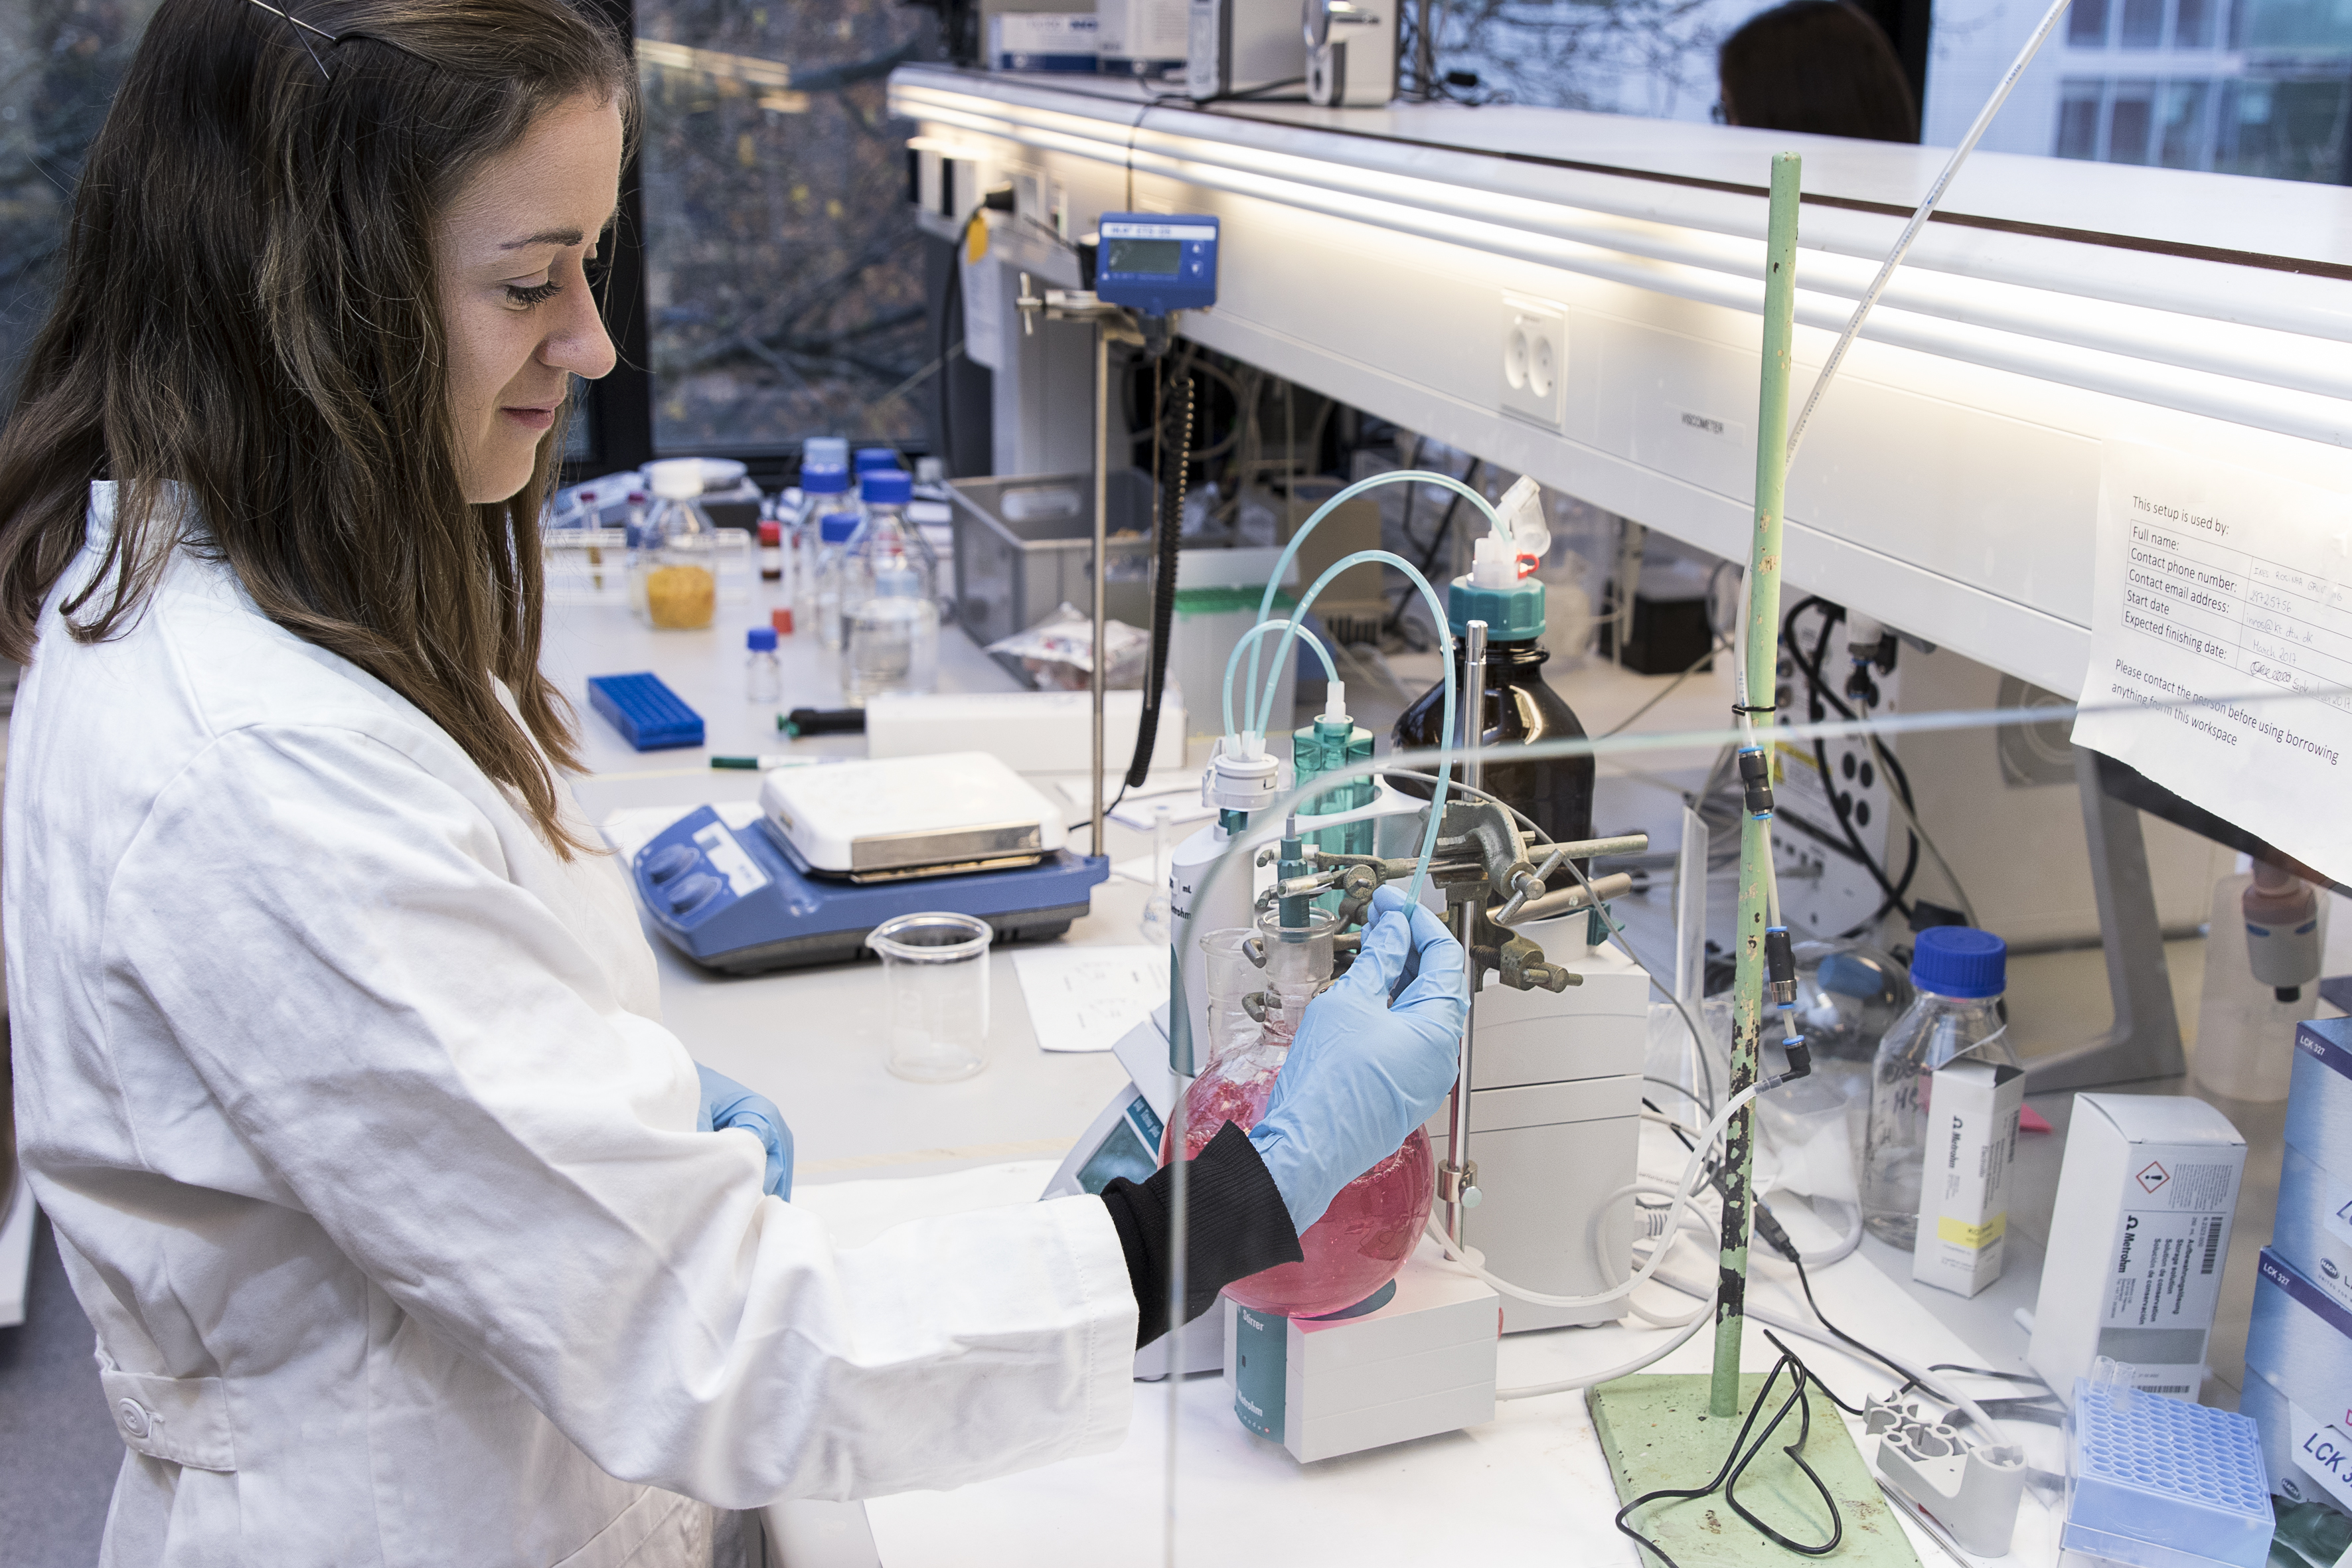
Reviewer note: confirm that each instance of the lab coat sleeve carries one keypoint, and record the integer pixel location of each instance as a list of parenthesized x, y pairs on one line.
[(420, 1053)]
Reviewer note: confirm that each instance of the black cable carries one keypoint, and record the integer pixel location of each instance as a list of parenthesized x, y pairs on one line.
[(1741, 1456), (1818, 692), (1988, 1372), (1163, 591)]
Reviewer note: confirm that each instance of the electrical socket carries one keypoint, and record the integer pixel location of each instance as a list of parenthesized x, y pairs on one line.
[(1535, 360)]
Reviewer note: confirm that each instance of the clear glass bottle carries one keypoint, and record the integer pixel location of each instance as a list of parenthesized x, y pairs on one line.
[(834, 533), (763, 676), (889, 614), (673, 573), (825, 489), (1959, 973), (1376, 1221), (772, 551)]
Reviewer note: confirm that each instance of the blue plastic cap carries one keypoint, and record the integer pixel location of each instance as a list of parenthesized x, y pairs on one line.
[(825, 479), (835, 527), (1512, 614), (873, 458), (886, 487), (1960, 961), (760, 640)]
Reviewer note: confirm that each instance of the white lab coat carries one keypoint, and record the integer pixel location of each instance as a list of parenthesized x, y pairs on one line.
[(372, 1162)]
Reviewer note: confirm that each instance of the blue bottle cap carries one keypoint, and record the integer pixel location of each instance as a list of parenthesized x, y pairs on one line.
[(1960, 961), (886, 487), (1512, 614), (873, 458), (825, 479), (835, 527), (760, 640)]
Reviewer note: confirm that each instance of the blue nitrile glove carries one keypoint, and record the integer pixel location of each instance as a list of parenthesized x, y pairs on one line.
[(1363, 1074), (726, 1103)]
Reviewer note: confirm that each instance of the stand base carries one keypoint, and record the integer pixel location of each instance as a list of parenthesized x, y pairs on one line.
[(1655, 1432)]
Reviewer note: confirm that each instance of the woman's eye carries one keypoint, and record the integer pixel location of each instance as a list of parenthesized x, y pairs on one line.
[(523, 299)]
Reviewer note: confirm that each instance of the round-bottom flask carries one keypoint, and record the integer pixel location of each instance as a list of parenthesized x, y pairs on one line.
[(1375, 1224)]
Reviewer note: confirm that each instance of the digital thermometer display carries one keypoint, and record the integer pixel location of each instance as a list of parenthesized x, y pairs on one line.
[(1157, 263)]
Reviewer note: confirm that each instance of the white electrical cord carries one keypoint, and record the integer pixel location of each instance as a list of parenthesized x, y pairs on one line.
[(1587, 1380)]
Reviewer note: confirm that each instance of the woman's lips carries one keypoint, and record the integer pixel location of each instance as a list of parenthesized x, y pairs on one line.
[(530, 418)]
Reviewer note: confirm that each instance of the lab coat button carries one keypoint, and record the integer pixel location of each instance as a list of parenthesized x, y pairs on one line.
[(134, 1417)]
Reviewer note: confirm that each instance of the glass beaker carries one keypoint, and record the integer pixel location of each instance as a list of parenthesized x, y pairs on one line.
[(935, 980)]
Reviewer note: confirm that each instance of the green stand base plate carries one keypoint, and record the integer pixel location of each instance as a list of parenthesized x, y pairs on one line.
[(1656, 1432)]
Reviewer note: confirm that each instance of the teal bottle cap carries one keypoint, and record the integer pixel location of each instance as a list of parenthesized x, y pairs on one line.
[(1512, 614)]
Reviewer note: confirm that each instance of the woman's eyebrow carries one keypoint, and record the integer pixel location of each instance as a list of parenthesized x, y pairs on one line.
[(546, 236)]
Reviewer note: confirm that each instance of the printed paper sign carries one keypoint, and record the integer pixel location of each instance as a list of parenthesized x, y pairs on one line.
[(2214, 585)]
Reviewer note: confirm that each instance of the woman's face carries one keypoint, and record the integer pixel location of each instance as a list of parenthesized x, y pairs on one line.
[(515, 301)]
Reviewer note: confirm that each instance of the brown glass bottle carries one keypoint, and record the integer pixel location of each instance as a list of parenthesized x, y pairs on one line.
[(1519, 708)]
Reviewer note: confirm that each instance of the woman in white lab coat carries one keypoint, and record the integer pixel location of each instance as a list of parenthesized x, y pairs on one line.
[(339, 1060)]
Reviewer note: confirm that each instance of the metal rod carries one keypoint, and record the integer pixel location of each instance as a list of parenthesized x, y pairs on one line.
[(1459, 1181), (1919, 219), (1762, 658), (1102, 522)]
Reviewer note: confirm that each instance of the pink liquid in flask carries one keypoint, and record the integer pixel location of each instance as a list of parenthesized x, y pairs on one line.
[(1366, 1235)]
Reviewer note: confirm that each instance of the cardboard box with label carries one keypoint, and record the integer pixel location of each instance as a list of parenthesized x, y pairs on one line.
[(2299, 1384), (2145, 1199), (1972, 1110)]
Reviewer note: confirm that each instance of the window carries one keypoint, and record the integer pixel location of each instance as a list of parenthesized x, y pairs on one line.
[(2187, 139), (2143, 24), (2131, 109), (2078, 119), (60, 61), (2192, 27), (2087, 24), (784, 282)]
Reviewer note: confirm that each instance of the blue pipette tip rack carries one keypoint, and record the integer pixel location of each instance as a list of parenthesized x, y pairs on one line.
[(648, 714), (2158, 1482)]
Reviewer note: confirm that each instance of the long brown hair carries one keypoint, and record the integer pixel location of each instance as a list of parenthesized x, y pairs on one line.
[(1818, 66), (248, 307)]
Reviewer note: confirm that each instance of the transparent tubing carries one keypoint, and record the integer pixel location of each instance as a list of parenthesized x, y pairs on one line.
[(1249, 639), (1445, 648)]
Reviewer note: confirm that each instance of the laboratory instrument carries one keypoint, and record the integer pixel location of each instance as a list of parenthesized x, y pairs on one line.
[(2156, 1482), (834, 851), (763, 676), (1375, 1223), (647, 713), (2257, 991), (1967, 1483), (1959, 973), (1243, 48), (1141, 38), (935, 993), (1157, 263), (673, 561), (1351, 52), (2146, 1195), (1517, 705)]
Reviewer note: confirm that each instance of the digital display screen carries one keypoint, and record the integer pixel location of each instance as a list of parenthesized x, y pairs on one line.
[(1153, 256)]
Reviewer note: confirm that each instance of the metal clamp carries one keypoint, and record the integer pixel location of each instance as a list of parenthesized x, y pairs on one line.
[(1459, 1183)]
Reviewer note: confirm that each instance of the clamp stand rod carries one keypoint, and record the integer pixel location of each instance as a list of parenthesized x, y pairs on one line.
[(1457, 1180)]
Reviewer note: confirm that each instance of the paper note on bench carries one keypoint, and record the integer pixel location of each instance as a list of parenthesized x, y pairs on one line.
[(1085, 999)]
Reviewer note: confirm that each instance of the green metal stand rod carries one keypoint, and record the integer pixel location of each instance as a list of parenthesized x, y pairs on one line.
[(1761, 664)]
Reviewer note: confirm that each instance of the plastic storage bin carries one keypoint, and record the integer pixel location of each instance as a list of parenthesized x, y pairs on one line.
[(1024, 545), (2158, 1482), (648, 714)]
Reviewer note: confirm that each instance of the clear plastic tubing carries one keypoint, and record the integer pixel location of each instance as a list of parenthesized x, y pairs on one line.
[(1248, 638)]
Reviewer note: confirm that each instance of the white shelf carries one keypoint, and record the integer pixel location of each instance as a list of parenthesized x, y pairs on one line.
[(1949, 481)]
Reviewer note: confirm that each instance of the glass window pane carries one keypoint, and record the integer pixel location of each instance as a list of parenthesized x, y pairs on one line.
[(783, 279), (2284, 128), (2192, 25), (2186, 140), (2128, 119), (60, 61), (2087, 24), (2078, 120), (2143, 24)]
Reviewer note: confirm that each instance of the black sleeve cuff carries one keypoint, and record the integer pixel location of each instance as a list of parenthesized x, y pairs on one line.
[(1235, 1226)]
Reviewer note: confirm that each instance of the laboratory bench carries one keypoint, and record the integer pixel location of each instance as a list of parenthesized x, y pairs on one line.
[(1502, 1492)]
